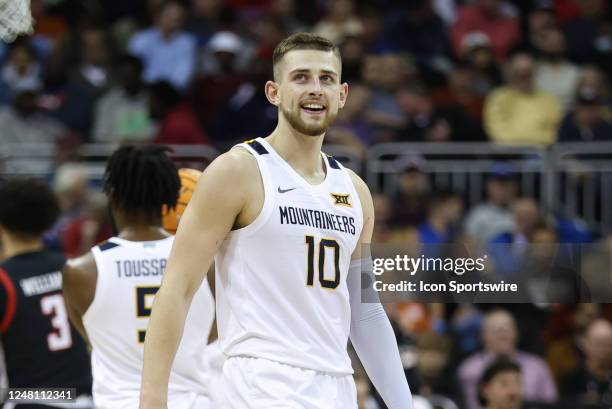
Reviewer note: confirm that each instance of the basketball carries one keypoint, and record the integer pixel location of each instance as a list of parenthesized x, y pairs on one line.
[(170, 218)]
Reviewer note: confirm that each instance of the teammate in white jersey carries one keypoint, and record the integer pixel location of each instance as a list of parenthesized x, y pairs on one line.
[(110, 290), (286, 229)]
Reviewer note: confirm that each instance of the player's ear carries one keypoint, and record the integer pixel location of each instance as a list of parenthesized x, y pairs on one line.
[(343, 94), (272, 93)]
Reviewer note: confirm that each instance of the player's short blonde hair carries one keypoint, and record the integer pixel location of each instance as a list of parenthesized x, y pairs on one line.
[(302, 41)]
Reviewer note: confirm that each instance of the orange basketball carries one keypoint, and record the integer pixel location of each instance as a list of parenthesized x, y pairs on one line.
[(170, 218)]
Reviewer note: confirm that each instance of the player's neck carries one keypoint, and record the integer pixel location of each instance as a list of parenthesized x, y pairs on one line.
[(143, 233), (134, 228), (13, 246), (302, 152)]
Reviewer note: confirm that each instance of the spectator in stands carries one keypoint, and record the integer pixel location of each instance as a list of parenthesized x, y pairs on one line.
[(461, 95), (20, 72), (565, 336), (372, 37), (351, 129), (427, 121), (95, 58), (71, 96), (477, 54), (339, 21), (221, 79), (25, 123), (596, 261), (92, 226), (384, 74), (268, 32), (593, 78), (519, 114), (410, 205), (71, 185), (539, 20), (592, 383), (465, 324), (177, 123), (285, 11), (554, 74), (421, 122), (168, 53), (416, 29), (590, 120), (491, 18), (122, 113), (583, 31), (203, 19), (447, 10), (433, 366), (500, 386), (444, 210), (352, 50), (508, 248), (49, 26), (488, 219), (551, 274), (246, 114), (603, 47), (500, 336)]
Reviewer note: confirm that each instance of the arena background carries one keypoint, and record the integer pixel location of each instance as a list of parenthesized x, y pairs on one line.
[(484, 121)]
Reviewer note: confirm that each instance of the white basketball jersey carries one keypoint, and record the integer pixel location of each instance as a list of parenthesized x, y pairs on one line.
[(281, 281), (129, 275)]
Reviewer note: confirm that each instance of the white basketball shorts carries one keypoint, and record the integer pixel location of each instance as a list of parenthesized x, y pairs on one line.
[(253, 383)]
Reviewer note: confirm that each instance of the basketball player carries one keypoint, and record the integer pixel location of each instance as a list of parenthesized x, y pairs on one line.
[(110, 289), (41, 348), (286, 228)]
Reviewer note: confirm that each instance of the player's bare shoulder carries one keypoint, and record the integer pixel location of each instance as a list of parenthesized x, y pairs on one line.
[(364, 194), (79, 277), (365, 197), (235, 164), (234, 179)]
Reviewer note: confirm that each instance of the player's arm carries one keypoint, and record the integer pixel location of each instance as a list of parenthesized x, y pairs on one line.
[(371, 333), (219, 198), (79, 278)]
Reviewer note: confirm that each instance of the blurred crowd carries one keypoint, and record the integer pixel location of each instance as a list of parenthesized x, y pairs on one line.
[(559, 350), (510, 72), (184, 72)]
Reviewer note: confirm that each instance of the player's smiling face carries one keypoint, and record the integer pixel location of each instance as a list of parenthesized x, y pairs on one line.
[(309, 93)]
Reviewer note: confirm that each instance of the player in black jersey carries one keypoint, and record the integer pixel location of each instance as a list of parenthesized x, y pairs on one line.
[(41, 348)]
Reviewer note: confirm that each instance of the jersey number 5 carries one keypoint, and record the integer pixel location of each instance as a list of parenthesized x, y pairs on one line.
[(143, 309), (323, 245)]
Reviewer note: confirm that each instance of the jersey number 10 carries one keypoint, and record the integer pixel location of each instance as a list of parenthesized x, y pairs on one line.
[(323, 245)]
